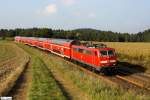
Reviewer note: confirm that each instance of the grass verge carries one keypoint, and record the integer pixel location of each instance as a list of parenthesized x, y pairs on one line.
[(43, 86)]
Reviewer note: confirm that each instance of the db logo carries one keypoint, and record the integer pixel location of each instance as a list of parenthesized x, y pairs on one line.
[(5, 98)]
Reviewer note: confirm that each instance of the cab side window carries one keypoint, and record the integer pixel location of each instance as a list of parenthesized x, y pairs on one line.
[(87, 52), (80, 50)]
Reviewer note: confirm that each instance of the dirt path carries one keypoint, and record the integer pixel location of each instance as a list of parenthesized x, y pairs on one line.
[(69, 89), (19, 91)]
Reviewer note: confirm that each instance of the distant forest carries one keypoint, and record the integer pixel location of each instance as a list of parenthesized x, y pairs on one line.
[(78, 34)]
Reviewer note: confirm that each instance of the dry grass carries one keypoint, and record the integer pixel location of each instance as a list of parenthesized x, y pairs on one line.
[(12, 62), (134, 50), (5, 53), (134, 53)]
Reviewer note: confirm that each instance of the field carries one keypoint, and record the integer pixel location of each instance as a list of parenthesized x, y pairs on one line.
[(44, 76), (133, 53), (12, 63)]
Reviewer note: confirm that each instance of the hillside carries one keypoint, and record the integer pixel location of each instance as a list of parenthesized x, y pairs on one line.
[(79, 34)]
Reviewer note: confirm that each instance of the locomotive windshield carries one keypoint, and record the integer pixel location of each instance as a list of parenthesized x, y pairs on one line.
[(106, 53)]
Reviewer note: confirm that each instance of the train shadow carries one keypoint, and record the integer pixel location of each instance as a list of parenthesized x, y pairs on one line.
[(125, 69)]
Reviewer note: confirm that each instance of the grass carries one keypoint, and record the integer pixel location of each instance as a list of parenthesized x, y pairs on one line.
[(5, 53), (43, 85), (94, 88), (134, 53), (12, 65)]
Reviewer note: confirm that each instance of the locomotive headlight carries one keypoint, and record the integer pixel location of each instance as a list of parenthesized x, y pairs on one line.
[(103, 62), (112, 61)]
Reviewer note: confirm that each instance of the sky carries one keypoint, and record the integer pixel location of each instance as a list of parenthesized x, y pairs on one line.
[(130, 16)]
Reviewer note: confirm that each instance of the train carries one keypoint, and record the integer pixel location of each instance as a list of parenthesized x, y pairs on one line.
[(97, 56)]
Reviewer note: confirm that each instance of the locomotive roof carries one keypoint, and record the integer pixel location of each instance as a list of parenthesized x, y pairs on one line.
[(93, 45)]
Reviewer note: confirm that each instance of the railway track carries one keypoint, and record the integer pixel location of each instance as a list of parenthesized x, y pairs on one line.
[(120, 80), (143, 76), (139, 80)]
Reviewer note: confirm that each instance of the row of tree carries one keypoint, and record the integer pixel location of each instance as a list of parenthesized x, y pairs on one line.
[(79, 34)]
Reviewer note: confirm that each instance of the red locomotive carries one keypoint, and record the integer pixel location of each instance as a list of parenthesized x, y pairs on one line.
[(98, 56)]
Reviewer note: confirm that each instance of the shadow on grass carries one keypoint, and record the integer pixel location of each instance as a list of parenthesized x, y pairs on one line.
[(65, 93), (126, 69)]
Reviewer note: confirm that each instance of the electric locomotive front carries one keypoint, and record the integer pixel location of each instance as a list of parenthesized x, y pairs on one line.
[(98, 56)]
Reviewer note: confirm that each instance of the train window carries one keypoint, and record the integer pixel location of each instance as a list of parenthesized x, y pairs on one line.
[(84, 51), (110, 52), (87, 52), (81, 50), (103, 53), (107, 53)]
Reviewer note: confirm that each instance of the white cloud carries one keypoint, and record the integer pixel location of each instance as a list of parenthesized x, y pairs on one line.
[(91, 15), (68, 2), (49, 9), (83, 14)]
